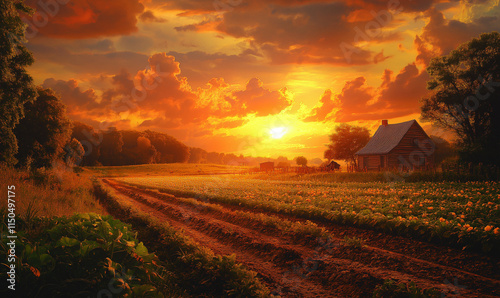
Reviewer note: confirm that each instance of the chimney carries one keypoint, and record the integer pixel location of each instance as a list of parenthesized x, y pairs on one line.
[(385, 122)]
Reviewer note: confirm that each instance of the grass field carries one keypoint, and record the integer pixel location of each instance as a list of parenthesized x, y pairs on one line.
[(177, 169), (466, 214), (49, 193)]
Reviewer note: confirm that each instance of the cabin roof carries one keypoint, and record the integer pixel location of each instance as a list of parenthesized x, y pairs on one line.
[(386, 138)]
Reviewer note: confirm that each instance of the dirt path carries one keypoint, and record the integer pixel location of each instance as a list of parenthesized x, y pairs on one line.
[(316, 268)]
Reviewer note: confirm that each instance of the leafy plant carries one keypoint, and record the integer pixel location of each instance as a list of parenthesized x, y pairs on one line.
[(391, 289), (354, 242), (82, 256)]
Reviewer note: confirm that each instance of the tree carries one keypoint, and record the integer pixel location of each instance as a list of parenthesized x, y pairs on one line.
[(111, 148), (16, 85), (90, 140), (444, 150), (328, 154), (74, 153), (346, 141), (44, 131), (301, 161), (169, 149), (465, 97), (197, 155)]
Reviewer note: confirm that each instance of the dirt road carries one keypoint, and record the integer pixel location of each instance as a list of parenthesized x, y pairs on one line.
[(321, 268)]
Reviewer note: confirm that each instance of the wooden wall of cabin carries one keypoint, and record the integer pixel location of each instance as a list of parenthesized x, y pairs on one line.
[(409, 153)]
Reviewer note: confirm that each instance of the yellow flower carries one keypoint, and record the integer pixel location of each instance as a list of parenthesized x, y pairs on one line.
[(470, 229), (488, 228), (441, 219), (496, 231)]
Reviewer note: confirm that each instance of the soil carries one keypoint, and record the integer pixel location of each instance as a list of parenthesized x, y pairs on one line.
[(310, 267)]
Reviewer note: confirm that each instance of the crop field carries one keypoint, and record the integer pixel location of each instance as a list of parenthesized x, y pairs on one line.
[(460, 212), (308, 238)]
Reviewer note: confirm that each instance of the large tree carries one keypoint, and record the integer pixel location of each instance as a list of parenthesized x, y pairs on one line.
[(465, 97), (90, 141), (16, 85), (44, 132), (346, 141), (301, 161)]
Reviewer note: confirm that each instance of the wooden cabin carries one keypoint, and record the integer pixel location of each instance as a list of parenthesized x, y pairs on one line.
[(332, 166), (402, 146), (267, 166)]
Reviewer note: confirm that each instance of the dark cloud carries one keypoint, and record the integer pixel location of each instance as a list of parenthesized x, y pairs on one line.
[(445, 35), (149, 17), (87, 63), (85, 18)]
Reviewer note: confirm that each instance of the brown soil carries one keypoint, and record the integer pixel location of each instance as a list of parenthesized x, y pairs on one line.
[(310, 267)]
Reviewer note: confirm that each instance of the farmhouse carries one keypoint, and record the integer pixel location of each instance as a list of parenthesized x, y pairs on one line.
[(403, 146)]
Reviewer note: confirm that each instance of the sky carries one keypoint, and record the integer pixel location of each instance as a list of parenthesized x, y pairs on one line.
[(255, 77)]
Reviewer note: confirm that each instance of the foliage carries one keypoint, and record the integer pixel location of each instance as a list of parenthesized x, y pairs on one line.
[(84, 255), (168, 149), (301, 161), (16, 85), (44, 131), (464, 215), (465, 97), (197, 155), (111, 147), (391, 289), (346, 141), (128, 147), (90, 141), (354, 242), (444, 150), (73, 153), (329, 154)]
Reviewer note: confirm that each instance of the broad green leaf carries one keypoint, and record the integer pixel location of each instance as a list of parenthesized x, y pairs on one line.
[(66, 241)]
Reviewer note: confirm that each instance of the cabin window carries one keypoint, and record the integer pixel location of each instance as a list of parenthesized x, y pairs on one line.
[(382, 161)]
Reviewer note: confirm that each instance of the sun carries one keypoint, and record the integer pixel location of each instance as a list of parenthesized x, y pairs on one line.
[(278, 132)]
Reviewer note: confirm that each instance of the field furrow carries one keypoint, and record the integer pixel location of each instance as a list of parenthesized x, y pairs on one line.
[(313, 262)]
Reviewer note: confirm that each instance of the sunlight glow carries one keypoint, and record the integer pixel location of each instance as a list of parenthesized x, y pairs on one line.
[(278, 132)]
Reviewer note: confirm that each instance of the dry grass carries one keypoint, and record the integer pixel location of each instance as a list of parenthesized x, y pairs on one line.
[(55, 192)]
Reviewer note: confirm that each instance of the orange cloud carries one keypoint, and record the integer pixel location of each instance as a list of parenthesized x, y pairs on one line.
[(159, 98), (395, 97)]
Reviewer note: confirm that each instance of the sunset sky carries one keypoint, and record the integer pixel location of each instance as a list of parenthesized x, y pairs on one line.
[(252, 77)]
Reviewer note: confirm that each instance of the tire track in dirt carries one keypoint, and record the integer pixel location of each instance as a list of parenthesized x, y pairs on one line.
[(343, 271)]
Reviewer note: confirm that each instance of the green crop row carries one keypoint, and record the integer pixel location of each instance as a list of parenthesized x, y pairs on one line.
[(465, 215)]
